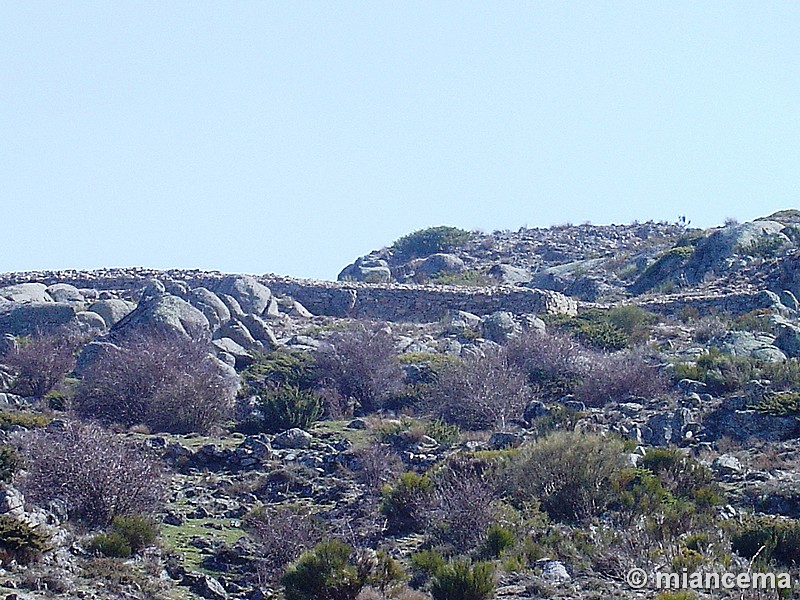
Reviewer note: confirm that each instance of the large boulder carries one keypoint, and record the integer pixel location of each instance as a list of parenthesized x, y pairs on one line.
[(64, 292), (746, 343), (211, 306), (713, 252), (440, 264), (788, 339), (112, 311), (27, 318), (367, 269), (251, 295), (499, 327), (25, 292), (260, 331), (236, 331), (160, 312), (509, 275)]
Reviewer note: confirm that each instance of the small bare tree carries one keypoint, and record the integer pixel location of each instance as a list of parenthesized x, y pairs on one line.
[(480, 392), (95, 474)]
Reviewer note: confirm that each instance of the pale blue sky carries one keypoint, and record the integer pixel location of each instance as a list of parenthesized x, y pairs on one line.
[(293, 136)]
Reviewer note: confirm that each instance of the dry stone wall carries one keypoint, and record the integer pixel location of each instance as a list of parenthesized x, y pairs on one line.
[(388, 301)]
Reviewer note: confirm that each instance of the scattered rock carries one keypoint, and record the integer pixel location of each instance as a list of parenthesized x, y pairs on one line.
[(294, 439)]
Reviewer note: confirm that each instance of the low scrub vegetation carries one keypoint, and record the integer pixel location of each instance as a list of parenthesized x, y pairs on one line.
[(95, 475), (165, 382), (432, 240), (360, 365)]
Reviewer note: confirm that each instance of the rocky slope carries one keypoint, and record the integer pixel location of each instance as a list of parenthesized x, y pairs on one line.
[(721, 333)]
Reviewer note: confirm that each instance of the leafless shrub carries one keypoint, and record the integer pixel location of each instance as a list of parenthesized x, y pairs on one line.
[(281, 534), (480, 392), (554, 362), (379, 465), (165, 382), (361, 364), (93, 473), (709, 327), (40, 362), (463, 507), (620, 376)]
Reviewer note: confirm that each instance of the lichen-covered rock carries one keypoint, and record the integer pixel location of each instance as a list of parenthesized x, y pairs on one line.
[(294, 439), (27, 318), (160, 312), (63, 292), (112, 311), (211, 306), (251, 295), (25, 292)]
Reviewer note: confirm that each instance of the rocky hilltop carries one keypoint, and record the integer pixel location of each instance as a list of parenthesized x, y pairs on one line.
[(529, 414)]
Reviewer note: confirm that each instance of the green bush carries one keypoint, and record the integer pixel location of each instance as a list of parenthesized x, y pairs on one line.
[(498, 539), (682, 595), (20, 541), (779, 404), (472, 278), (291, 368), (602, 335), (721, 372), (570, 473), (128, 535), (140, 531), (769, 539), (10, 462), (324, 573), (21, 418), (289, 407), (111, 544), (429, 562), (432, 240), (442, 432), (634, 321), (683, 476), (404, 504), (462, 580)]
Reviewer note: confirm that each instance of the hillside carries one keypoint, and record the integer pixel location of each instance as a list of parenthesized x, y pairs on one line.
[(554, 406)]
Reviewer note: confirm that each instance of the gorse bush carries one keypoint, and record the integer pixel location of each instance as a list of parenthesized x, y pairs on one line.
[(406, 503), (280, 368), (96, 475), (165, 382), (23, 418), (334, 571), (571, 474), (769, 539), (682, 475), (111, 544), (288, 407), (463, 580), (20, 541), (10, 462), (432, 240), (498, 539)]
